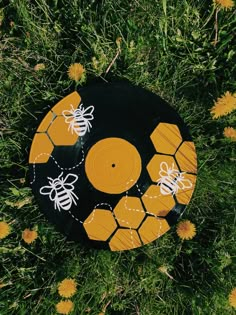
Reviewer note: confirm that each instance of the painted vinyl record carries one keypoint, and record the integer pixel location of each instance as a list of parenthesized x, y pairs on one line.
[(113, 166)]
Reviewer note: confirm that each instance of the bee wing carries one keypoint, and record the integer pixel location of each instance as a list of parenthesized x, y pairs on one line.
[(68, 186), (69, 119), (186, 183), (163, 169), (48, 190), (45, 190), (52, 195), (66, 113), (89, 110), (88, 113), (70, 179)]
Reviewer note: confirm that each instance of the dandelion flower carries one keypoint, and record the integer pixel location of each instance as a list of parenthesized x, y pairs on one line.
[(230, 132), (67, 288), (118, 42), (4, 229), (224, 105), (163, 269), (64, 307), (39, 66), (76, 71), (29, 236), (232, 298), (186, 230), (224, 4)]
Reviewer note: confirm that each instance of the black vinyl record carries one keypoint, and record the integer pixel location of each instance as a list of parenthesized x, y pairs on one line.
[(113, 166)]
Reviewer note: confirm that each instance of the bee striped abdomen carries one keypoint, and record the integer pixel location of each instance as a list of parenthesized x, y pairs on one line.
[(63, 199)]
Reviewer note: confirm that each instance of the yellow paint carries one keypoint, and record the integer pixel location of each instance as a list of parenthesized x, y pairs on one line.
[(184, 196), (99, 225), (45, 122), (41, 143), (153, 166), (59, 133), (65, 104), (113, 165), (157, 203), (166, 138), (124, 239), (152, 228), (129, 212), (186, 157)]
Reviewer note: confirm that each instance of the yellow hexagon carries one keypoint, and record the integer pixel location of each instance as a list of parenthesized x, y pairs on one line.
[(60, 134), (186, 157), (129, 212), (100, 224), (65, 104), (156, 203), (41, 148), (152, 228), (154, 166), (186, 188), (124, 239), (45, 122), (166, 138)]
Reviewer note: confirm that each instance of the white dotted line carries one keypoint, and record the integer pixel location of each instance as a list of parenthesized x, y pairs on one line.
[(103, 204), (94, 209), (76, 219), (141, 194), (61, 168), (145, 195)]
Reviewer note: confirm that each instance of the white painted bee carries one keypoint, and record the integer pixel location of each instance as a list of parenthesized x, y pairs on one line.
[(79, 119), (60, 190), (171, 180)]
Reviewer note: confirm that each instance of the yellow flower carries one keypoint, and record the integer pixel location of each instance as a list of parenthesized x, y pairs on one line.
[(186, 230), (232, 298), (224, 4), (76, 71), (64, 307), (4, 229), (39, 66), (29, 236), (230, 132), (163, 269), (224, 105), (67, 288)]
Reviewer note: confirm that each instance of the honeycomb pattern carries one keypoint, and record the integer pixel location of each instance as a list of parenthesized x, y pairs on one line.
[(41, 144), (153, 166), (166, 138), (100, 224), (152, 228), (184, 196), (65, 104), (53, 130), (156, 203), (59, 133), (124, 239), (187, 157), (129, 212), (46, 122)]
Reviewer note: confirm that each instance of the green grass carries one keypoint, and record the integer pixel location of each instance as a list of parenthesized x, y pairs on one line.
[(167, 47)]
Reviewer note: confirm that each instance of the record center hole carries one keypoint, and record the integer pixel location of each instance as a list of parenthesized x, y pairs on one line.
[(113, 165)]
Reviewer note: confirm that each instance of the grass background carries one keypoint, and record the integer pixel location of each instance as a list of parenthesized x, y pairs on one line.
[(167, 47)]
